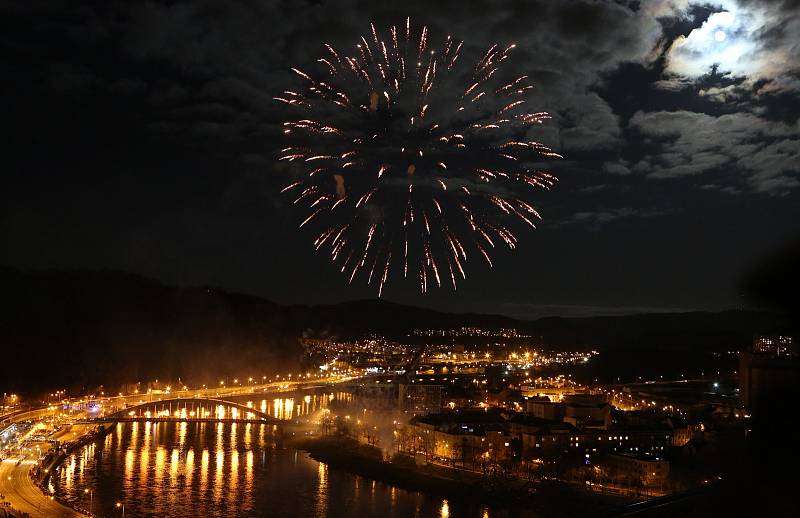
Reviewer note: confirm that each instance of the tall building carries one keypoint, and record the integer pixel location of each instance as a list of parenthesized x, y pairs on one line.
[(776, 345), (769, 374)]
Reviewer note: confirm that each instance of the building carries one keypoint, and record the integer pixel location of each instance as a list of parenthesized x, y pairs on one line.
[(543, 408), (766, 381), (638, 420), (468, 439), (587, 411), (541, 438), (769, 374), (775, 345), (553, 392), (681, 436), (650, 470)]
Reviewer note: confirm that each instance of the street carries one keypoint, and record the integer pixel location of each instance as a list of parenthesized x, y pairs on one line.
[(25, 496)]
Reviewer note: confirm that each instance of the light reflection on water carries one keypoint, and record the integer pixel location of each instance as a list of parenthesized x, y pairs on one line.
[(228, 469)]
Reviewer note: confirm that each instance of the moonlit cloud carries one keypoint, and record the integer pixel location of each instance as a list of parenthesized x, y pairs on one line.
[(751, 40), (724, 40), (762, 153)]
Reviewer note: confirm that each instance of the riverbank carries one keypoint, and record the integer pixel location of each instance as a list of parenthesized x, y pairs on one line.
[(538, 498), (39, 475), (84, 435), (24, 482)]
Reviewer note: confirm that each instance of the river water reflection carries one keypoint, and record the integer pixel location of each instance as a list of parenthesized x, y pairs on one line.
[(227, 469)]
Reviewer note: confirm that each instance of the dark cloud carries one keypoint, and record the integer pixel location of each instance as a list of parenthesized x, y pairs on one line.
[(620, 167), (595, 220), (758, 153)]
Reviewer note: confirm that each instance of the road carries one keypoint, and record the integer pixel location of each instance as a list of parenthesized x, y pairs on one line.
[(70, 432), (25, 496), (36, 413), (111, 404), (17, 487)]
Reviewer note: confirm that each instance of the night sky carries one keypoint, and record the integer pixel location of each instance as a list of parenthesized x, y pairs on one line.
[(143, 136)]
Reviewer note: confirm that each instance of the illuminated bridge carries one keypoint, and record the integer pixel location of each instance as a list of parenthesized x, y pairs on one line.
[(189, 409)]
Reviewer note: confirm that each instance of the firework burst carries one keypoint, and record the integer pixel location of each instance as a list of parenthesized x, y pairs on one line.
[(408, 161)]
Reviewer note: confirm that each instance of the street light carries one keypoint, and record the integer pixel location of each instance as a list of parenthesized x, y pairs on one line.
[(91, 499), (120, 504)]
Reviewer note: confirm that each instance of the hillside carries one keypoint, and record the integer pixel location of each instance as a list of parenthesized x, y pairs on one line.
[(78, 327)]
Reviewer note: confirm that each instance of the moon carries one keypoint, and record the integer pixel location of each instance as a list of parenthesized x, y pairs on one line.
[(719, 36)]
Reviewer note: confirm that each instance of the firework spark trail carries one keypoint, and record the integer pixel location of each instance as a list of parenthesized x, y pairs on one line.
[(392, 116)]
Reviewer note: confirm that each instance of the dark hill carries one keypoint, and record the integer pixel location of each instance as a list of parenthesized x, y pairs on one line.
[(82, 328)]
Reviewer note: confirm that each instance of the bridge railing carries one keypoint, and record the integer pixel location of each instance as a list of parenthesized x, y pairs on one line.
[(184, 409)]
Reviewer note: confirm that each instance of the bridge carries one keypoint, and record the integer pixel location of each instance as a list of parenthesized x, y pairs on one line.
[(182, 409)]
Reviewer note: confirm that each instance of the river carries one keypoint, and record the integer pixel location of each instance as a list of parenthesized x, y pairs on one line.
[(229, 469)]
